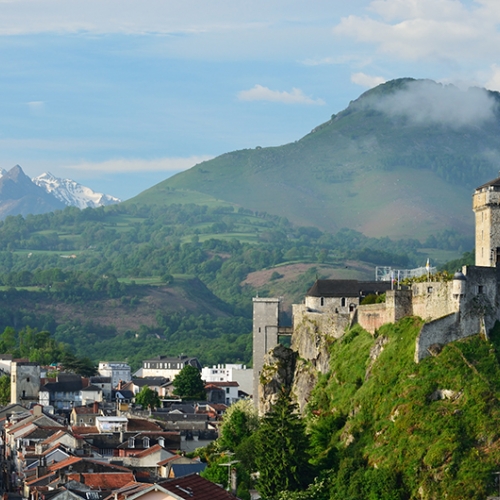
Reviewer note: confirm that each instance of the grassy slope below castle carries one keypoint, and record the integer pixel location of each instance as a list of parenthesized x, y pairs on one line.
[(427, 430)]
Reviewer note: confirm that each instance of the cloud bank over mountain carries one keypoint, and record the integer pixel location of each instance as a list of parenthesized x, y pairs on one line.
[(425, 102)]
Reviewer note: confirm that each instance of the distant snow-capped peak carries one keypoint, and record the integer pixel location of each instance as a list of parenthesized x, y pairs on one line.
[(71, 193), (2, 172)]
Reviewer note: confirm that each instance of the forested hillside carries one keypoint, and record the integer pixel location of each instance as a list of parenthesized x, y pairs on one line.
[(137, 280)]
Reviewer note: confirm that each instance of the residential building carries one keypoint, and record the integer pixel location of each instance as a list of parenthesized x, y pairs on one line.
[(166, 366), (116, 370), (230, 373)]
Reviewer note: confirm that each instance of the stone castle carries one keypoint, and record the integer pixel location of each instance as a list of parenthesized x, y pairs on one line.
[(452, 310)]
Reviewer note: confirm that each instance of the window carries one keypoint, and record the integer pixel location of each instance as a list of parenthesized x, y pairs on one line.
[(131, 442), (145, 442), (429, 289), (342, 302), (480, 289), (322, 301)]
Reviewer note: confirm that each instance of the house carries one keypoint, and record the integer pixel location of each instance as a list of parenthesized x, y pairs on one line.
[(105, 384), (116, 370), (147, 458), (157, 384), (192, 487), (68, 390), (229, 390), (230, 373), (111, 424), (165, 466), (85, 415)]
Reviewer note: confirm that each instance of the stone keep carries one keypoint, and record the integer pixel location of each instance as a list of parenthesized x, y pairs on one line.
[(24, 382), (486, 206)]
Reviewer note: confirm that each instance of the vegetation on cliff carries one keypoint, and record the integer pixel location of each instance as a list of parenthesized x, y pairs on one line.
[(385, 427), (381, 426)]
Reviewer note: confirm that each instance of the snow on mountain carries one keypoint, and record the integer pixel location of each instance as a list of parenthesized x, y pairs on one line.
[(2, 172), (71, 193)]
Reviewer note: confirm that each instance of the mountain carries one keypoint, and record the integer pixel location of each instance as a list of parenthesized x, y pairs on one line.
[(71, 193), (19, 195), (399, 161)]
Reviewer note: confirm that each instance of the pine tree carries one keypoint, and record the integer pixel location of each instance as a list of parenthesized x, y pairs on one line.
[(282, 450)]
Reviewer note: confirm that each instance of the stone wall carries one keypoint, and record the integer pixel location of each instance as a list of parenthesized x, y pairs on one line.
[(437, 333), (373, 316), (433, 300)]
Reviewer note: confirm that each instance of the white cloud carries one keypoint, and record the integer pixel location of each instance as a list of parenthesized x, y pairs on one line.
[(35, 104), (367, 81), (356, 60), (437, 30), (427, 102), (494, 80), (150, 16), (139, 165), (36, 107), (260, 93)]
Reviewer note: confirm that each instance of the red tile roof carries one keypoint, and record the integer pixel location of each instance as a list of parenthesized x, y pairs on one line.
[(194, 487), (170, 459), (139, 424), (224, 384), (82, 430), (148, 451), (55, 436), (103, 480)]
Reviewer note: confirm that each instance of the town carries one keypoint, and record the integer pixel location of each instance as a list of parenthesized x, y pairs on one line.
[(73, 435)]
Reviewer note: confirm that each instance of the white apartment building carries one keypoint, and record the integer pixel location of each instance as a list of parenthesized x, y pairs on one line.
[(166, 366), (230, 373), (116, 370)]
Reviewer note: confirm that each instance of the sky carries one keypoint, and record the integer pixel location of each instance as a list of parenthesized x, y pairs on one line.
[(121, 94)]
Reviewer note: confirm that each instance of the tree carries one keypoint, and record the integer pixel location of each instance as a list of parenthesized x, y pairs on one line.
[(282, 457), (148, 398), (188, 384), (81, 366), (4, 390), (240, 421)]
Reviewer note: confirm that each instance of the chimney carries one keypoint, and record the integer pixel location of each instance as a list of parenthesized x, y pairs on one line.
[(96, 407), (41, 470)]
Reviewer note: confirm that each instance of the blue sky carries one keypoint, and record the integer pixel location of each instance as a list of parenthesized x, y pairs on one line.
[(120, 94)]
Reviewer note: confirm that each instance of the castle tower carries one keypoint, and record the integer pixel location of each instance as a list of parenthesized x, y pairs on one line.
[(24, 382), (486, 206), (265, 335)]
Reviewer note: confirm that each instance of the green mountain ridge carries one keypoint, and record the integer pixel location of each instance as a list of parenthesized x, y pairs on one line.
[(396, 162)]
